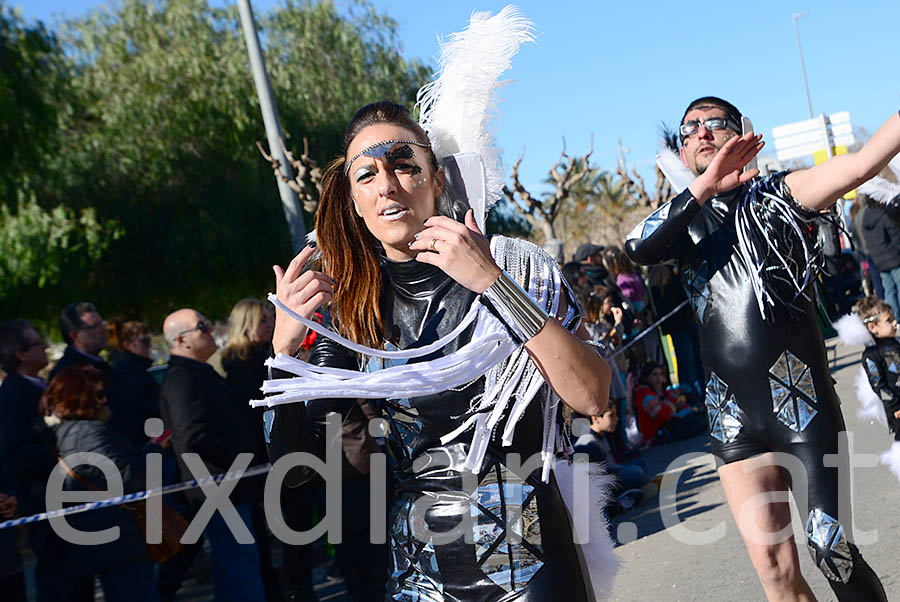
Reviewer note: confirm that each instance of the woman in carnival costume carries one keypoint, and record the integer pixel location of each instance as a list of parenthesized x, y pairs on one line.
[(455, 339)]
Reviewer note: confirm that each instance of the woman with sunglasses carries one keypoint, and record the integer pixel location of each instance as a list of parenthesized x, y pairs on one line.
[(130, 360), (404, 266)]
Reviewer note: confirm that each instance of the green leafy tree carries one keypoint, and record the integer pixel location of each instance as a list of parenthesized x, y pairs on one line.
[(157, 132)]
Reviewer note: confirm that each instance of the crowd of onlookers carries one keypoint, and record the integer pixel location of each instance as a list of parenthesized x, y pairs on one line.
[(98, 398), (643, 325)]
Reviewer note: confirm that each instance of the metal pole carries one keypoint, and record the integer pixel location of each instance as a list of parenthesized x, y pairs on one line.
[(289, 200), (802, 66)]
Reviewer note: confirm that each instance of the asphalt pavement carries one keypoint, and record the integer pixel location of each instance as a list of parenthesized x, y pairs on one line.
[(657, 564)]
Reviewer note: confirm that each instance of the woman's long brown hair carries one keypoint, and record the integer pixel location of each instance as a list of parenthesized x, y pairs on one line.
[(348, 256), (348, 248)]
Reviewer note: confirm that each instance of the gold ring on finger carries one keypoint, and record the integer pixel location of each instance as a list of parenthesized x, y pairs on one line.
[(433, 243)]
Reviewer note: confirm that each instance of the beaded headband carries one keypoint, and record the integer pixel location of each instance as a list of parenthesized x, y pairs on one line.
[(379, 149)]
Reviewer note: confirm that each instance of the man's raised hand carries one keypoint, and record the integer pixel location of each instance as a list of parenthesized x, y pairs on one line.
[(725, 170)]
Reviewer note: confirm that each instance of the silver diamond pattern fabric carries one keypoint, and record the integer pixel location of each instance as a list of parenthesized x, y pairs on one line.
[(828, 546), (793, 392), (721, 411)]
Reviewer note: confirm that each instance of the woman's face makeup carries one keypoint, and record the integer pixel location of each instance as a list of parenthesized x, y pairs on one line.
[(393, 186)]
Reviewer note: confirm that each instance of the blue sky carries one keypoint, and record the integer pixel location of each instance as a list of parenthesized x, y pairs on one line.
[(616, 69)]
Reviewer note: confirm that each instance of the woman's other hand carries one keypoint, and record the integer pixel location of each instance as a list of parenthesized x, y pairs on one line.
[(461, 250), (304, 291)]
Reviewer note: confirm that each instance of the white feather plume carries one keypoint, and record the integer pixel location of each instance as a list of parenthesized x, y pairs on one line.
[(879, 189), (672, 167), (891, 458), (456, 109), (852, 331), (870, 406)]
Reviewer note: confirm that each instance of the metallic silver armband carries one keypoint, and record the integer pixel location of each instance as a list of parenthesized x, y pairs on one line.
[(518, 311)]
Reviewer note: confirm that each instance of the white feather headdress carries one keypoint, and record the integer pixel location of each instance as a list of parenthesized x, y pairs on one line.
[(457, 108)]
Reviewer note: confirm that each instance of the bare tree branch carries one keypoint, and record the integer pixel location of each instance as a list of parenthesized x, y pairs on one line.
[(306, 171)]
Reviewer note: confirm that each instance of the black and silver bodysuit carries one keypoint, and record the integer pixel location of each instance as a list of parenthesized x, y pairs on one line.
[(540, 562), (769, 387)]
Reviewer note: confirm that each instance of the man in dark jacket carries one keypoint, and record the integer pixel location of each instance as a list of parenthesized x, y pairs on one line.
[(27, 446), (84, 332), (881, 232), (195, 404)]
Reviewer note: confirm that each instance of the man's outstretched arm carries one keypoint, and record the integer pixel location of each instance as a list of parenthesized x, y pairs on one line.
[(820, 186)]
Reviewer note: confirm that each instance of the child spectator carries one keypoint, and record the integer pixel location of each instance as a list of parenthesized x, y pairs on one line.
[(882, 360), (661, 417), (597, 445), (628, 277)]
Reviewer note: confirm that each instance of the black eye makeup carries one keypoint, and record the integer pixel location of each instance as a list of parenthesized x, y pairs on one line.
[(401, 152)]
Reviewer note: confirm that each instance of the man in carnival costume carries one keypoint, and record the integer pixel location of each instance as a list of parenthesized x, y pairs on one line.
[(453, 338), (746, 247)]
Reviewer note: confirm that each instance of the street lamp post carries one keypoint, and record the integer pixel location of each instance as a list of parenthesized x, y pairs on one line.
[(289, 201), (802, 67)]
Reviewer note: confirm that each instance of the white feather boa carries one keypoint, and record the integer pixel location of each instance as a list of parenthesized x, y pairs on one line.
[(590, 525), (891, 458), (456, 109)]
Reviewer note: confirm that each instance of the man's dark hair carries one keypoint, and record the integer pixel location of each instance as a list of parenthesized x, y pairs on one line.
[(12, 339), (714, 101), (70, 318)]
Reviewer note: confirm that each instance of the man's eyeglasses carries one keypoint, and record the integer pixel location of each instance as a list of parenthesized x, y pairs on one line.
[(97, 326), (203, 326), (689, 128)]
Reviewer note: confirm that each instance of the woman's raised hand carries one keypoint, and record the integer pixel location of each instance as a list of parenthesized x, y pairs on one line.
[(304, 291), (461, 250)]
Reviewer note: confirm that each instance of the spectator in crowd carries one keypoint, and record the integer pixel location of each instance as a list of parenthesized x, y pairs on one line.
[(615, 321), (575, 275), (872, 283), (249, 344), (12, 574), (596, 443), (591, 257), (661, 416), (76, 402), (85, 334), (836, 302), (881, 233), (196, 405), (27, 446), (628, 277), (130, 365), (666, 294)]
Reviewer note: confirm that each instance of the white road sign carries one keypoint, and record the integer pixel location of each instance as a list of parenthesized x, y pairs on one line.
[(803, 138)]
